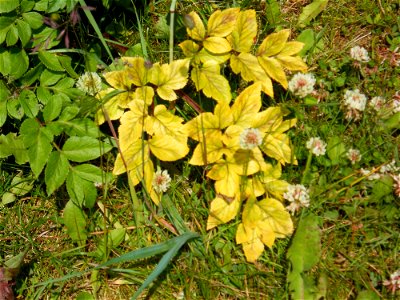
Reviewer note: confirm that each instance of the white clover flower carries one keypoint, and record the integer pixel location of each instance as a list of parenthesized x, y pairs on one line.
[(316, 145), (396, 184), (377, 103), (359, 53), (396, 106), (389, 168), (161, 181), (394, 282), (90, 83), (302, 84), (353, 155), (355, 100), (369, 174), (298, 196), (250, 138)]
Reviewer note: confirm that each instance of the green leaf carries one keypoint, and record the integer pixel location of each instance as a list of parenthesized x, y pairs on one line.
[(69, 113), (50, 60), (81, 149), (382, 187), (20, 185), (24, 32), (367, 295), (52, 109), (393, 122), (32, 75), (11, 144), (19, 62), (84, 296), (12, 36), (79, 127), (48, 77), (66, 63), (4, 94), (90, 173), (8, 198), (75, 221), (29, 103), (310, 11), (81, 191), (15, 109), (273, 12), (56, 171), (5, 23), (34, 19), (8, 5), (39, 153), (27, 5), (336, 149)]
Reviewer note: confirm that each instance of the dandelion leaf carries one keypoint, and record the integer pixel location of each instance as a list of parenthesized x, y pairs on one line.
[(221, 23), (244, 32)]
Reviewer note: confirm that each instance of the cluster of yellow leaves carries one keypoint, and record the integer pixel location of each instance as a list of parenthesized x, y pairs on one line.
[(242, 174), (230, 35), (145, 128)]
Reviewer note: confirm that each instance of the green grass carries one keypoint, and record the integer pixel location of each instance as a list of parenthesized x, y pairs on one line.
[(360, 230)]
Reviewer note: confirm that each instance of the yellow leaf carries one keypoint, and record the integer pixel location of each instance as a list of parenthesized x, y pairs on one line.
[(136, 71), (133, 156), (246, 106), (277, 146), (208, 152), (200, 126), (222, 211), (268, 120), (274, 69), (198, 31), (275, 214), (143, 173), (170, 77), (144, 93), (213, 84), (221, 23), (111, 107), (227, 178), (292, 63), (131, 127), (223, 113), (217, 45), (273, 43), (252, 245), (206, 56), (247, 65), (269, 181), (119, 81), (244, 32), (163, 122), (285, 125), (253, 187), (189, 48), (292, 48), (169, 148)]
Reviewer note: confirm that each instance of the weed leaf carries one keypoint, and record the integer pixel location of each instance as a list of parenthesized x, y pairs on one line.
[(310, 11), (75, 221), (244, 32)]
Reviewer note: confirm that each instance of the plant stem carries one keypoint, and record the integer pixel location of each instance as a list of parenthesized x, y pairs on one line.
[(307, 169), (171, 30)]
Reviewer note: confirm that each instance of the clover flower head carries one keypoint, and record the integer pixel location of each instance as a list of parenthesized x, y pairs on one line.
[(298, 195), (353, 155), (161, 181), (359, 54), (302, 84), (316, 145), (394, 282), (250, 138), (377, 103), (90, 83), (396, 184), (389, 168), (355, 100), (369, 174), (396, 106)]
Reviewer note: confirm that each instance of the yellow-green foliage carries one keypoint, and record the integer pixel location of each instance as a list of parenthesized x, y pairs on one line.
[(234, 140)]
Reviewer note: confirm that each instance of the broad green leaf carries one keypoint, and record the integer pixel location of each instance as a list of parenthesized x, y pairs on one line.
[(222, 211), (13, 62), (247, 65), (211, 82), (170, 77), (81, 149), (43, 94), (4, 94), (274, 69), (49, 77), (68, 112), (12, 35), (393, 122), (168, 148), (32, 75), (11, 144), (8, 5), (8, 198), (310, 11), (50, 60), (244, 32), (273, 13), (39, 153), (196, 30), (52, 109), (24, 31), (273, 43), (221, 23), (75, 221), (56, 171), (79, 127), (21, 185), (30, 129), (5, 24), (66, 63), (91, 173), (29, 103), (335, 150), (75, 188), (27, 5), (217, 45), (305, 250), (34, 19)]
